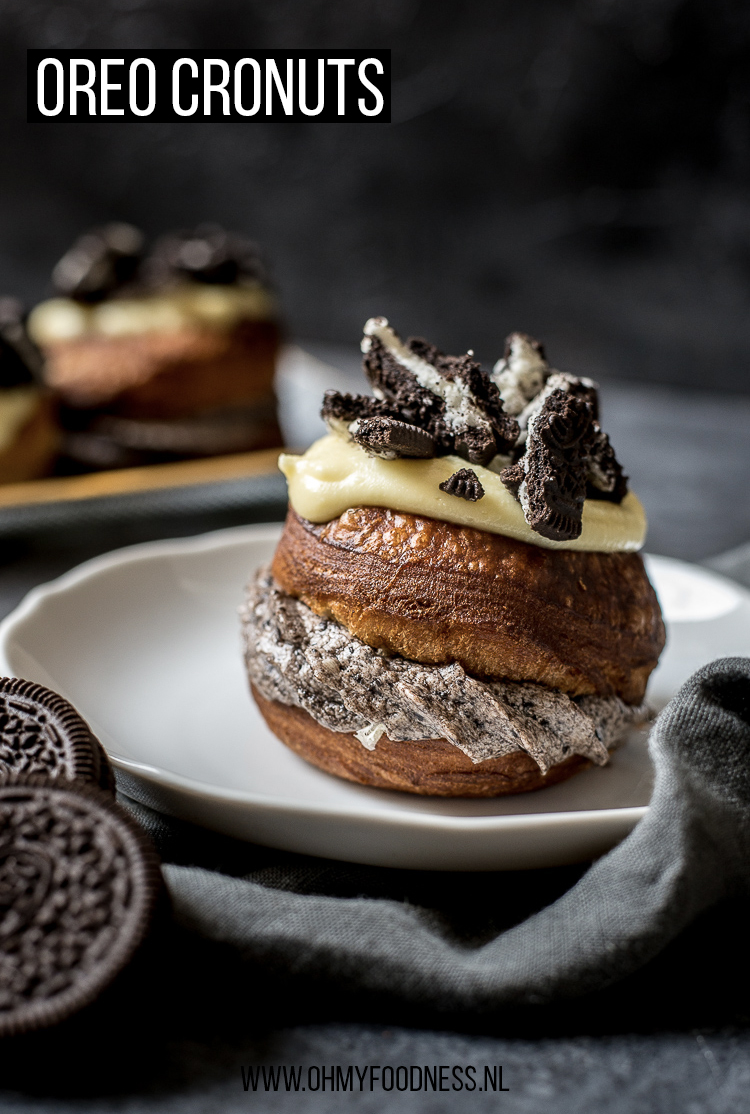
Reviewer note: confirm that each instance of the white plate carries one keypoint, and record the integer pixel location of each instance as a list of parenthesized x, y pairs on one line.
[(145, 643)]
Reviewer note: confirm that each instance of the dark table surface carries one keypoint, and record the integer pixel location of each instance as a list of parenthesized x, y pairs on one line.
[(674, 1038)]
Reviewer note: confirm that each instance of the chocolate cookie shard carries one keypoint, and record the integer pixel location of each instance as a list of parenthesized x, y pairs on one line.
[(40, 733), (465, 484), (604, 475), (521, 372), (348, 408), (450, 397), (99, 262), (555, 464), (584, 389), (478, 446), (390, 438), (513, 476), (525, 380), (79, 883)]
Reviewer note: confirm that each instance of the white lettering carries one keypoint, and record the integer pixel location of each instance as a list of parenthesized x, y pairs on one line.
[(107, 86), (303, 88), (60, 94), (285, 93), (86, 87), (151, 86), (176, 87), (341, 63), (209, 87), (238, 106), (379, 102)]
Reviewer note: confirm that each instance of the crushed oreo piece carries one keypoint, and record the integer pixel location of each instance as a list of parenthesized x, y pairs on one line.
[(513, 476), (348, 408), (465, 484), (21, 361), (554, 488), (99, 262), (40, 733), (604, 477), (450, 397), (395, 384), (581, 388), (390, 438), (521, 373), (558, 381), (535, 426), (79, 884), (476, 445), (206, 254)]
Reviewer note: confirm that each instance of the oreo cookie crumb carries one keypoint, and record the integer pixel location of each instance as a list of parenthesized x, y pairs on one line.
[(604, 476), (467, 419), (513, 476), (554, 488), (348, 408), (391, 438), (397, 385), (581, 388), (40, 733), (79, 883), (465, 484), (427, 403), (475, 444)]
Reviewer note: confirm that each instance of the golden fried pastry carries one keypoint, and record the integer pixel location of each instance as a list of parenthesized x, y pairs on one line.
[(434, 592), (457, 605)]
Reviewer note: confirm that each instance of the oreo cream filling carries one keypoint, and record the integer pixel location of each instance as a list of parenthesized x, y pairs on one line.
[(301, 659)]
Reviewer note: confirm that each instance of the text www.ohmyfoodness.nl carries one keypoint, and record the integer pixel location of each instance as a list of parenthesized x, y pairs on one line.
[(373, 1077)]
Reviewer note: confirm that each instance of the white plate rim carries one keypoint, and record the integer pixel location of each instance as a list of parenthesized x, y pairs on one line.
[(170, 780)]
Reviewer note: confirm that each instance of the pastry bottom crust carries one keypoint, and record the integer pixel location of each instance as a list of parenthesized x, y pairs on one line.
[(430, 767)]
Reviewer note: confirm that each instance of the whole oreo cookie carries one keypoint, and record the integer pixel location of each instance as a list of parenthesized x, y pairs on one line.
[(40, 733), (79, 883)]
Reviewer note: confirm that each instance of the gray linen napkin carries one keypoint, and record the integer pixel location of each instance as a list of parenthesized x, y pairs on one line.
[(691, 849)]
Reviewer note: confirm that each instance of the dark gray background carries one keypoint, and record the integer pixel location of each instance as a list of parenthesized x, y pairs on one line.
[(578, 170), (574, 169)]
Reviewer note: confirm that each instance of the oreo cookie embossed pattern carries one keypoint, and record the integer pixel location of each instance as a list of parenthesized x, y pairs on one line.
[(78, 878), (40, 733), (78, 886)]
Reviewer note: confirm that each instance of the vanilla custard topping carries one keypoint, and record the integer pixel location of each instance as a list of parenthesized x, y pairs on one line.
[(192, 305), (336, 474)]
